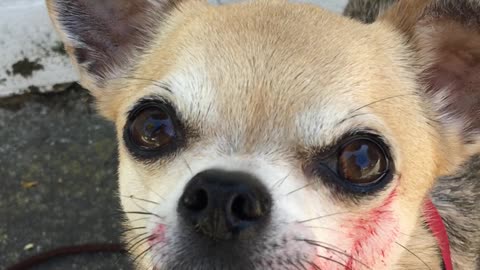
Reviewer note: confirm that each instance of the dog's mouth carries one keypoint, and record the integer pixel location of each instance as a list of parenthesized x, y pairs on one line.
[(290, 248)]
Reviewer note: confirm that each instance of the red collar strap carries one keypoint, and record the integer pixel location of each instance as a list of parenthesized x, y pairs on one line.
[(436, 225)]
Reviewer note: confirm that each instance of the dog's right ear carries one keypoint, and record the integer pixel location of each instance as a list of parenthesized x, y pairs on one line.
[(445, 38), (366, 11), (103, 37)]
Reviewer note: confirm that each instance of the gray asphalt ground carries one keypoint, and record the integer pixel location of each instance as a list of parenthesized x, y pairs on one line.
[(57, 180)]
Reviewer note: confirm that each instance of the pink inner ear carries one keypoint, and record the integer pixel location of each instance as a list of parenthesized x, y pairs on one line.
[(455, 73), (104, 35), (119, 16)]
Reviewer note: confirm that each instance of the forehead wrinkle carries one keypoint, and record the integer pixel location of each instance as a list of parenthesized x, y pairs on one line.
[(260, 107)]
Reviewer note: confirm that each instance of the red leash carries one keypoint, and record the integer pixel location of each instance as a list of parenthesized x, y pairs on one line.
[(66, 251), (436, 225)]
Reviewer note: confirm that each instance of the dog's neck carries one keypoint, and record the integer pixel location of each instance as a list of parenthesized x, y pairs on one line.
[(422, 250), (456, 199)]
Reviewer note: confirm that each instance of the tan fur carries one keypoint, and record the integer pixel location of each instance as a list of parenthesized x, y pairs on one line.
[(422, 244), (405, 14)]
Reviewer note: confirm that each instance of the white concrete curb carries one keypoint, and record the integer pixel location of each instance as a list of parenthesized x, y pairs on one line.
[(32, 58)]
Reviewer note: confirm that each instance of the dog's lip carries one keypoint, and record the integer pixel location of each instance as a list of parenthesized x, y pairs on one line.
[(292, 232)]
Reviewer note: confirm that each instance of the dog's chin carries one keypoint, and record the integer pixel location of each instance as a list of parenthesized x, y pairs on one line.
[(275, 248)]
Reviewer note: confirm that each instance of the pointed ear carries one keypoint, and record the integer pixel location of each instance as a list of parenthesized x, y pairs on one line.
[(366, 11), (103, 37), (445, 35)]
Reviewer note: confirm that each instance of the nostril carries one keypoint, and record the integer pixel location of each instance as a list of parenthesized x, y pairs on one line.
[(196, 200), (245, 208)]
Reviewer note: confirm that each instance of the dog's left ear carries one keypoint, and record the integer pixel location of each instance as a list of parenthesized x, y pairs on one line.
[(445, 36), (104, 37)]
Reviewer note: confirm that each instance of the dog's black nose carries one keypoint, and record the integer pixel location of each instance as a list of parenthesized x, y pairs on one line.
[(225, 205)]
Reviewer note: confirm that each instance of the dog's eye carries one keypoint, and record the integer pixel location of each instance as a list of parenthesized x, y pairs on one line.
[(359, 164), (152, 130), (362, 161)]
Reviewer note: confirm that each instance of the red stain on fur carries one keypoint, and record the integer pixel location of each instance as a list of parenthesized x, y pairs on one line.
[(373, 235), (158, 235), (366, 242)]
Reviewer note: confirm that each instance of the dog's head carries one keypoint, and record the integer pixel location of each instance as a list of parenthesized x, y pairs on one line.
[(271, 135)]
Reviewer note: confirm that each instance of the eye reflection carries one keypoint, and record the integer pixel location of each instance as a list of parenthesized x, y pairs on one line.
[(362, 161), (153, 128)]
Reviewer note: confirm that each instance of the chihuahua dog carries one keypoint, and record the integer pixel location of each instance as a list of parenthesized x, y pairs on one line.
[(275, 135)]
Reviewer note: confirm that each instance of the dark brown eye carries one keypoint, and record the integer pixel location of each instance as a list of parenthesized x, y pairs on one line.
[(362, 162), (152, 130)]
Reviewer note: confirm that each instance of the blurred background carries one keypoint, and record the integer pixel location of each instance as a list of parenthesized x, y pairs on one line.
[(57, 157)]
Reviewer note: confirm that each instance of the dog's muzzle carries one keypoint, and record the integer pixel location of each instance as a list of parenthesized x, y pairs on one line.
[(226, 221)]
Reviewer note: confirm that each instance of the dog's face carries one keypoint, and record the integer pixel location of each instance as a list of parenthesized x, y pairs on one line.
[(275, 135)]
